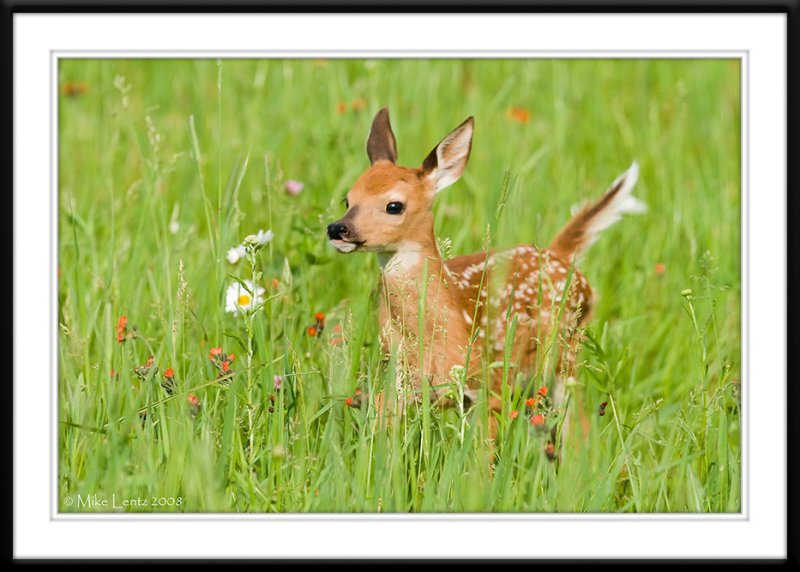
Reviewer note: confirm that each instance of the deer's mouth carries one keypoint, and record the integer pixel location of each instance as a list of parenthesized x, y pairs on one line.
[(346, 246)]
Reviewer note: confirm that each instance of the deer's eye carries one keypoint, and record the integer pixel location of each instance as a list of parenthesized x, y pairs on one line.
[(394, 208), (346, 203)]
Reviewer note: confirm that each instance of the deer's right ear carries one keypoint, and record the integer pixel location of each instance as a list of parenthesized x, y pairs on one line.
[(381, 145), (444, 165)]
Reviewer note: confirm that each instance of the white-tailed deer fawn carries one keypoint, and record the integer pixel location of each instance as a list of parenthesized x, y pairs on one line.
[(438, 314)]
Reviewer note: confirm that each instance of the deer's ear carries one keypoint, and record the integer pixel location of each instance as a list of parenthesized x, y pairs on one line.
[(381, 145), (446, 162)]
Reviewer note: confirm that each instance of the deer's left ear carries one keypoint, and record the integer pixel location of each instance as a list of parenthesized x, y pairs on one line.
[(444, 165), (381, 145)]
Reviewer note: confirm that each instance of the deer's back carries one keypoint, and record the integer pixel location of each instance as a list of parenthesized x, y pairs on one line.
[(532, 283)]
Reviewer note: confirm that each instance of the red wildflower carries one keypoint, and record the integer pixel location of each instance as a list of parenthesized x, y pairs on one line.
[(194, 404), (530, 402), (349, 401), (230, 357), (226, 366), (319, 317), (514, 414), (312, 331), (142, 371), (170, 373), (214, 352), (660, 268), (542, 391), (550, 450), (122, 328), (358, 391), (537, 420), (341, 107)]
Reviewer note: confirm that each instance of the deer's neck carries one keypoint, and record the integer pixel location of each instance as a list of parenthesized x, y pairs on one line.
[(411, 260), (415, 270)]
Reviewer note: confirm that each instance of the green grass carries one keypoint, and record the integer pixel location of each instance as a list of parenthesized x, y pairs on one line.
[(206, 146)]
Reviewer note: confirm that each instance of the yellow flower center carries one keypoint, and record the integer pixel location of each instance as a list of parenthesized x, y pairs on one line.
[(244, 300)]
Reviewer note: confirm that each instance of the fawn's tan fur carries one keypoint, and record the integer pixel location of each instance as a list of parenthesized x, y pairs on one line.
[(469, 299)]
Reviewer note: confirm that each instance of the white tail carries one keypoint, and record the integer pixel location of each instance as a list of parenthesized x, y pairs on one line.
[(585, 227)]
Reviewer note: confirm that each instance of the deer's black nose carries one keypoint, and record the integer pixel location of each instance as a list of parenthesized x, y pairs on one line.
[(337, 231)]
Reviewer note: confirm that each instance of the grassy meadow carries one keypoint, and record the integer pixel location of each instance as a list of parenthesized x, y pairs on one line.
[(166, 165)]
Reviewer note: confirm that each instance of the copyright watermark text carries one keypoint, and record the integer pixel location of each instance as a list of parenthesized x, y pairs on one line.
[(101, 502)]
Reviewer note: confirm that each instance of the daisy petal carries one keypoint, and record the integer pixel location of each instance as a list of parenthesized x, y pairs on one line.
[(264, 237), (235, 254)]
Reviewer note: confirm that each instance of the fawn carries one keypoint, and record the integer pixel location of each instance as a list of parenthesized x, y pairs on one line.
[(468, 302)]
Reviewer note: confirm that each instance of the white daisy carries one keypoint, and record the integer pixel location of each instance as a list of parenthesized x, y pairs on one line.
[(238, 299), (235, 254), (263, 238), (253, 241)]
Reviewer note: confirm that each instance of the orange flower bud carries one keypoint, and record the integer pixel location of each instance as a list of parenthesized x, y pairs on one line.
[(358, 104), (519, 114)]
